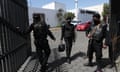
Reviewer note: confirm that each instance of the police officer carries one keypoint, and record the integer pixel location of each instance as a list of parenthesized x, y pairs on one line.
[(96, 33), (68, 33), (41, 31)]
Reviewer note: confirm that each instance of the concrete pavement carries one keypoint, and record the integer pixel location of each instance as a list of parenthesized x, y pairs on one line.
[(57, 61)]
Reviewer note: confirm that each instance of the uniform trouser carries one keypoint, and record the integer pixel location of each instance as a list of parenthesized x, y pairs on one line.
[(89, 48), (95, 46), (68, 42), (43, 51), (111, 57)]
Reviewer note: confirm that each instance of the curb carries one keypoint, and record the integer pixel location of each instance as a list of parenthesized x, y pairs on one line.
[(25, 64)]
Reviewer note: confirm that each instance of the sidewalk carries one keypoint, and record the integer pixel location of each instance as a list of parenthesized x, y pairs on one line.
[(34, 66), (57, 61)]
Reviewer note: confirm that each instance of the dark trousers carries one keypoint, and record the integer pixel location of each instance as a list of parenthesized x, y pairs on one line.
[(68, 42), (111, 55), (95, 46), (43, 51)]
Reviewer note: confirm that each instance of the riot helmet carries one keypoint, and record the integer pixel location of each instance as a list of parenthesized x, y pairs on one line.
[(96, 18), (97, 15), (36, 17), (68, 19)]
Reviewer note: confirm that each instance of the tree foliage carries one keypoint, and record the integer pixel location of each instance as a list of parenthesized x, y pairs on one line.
[(106, 9), (69, 14), (60, 15)]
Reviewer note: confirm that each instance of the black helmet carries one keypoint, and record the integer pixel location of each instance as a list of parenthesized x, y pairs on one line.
[(36, 16), (96, 15)]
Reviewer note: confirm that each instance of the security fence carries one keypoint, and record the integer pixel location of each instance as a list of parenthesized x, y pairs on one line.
[(14, 47), (115, 26)]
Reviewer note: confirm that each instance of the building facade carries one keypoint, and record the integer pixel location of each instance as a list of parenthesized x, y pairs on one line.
[(55, 6), (50, 12), (82, 15), (49, 15), (97, 8)]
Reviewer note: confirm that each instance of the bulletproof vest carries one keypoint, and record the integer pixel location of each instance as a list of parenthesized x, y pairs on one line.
[(69, 30), (40, 31), (98, 34)]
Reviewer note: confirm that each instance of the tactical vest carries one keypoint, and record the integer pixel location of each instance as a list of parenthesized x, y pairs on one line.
[(69, 31), (40, 31), (98, 33)]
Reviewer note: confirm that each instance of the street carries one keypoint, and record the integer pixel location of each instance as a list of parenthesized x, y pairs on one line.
[(57, 61)]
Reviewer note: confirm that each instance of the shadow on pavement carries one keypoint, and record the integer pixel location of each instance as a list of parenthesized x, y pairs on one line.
[(79, 54), (105, 62), (58, 62), (34, 56)]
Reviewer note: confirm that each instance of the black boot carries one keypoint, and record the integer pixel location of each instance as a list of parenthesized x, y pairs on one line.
[(43, 69), (69, 61), (111, 65)]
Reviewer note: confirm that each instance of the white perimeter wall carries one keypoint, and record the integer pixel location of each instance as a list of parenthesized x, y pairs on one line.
[(55, 6), (50, 15), (83, 17), (97, 8)]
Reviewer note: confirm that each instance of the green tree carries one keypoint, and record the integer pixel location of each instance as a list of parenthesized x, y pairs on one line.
[(106, 9), (69, 14), (60, 15)]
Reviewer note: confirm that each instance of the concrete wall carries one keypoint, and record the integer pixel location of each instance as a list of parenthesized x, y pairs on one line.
[(55, 6), (83, 17), (49, 6), (98, 8), (60, 6), (50, 15)]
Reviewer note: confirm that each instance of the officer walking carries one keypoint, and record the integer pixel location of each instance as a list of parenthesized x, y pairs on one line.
[(40, 32), (96, 33), (68, 33)]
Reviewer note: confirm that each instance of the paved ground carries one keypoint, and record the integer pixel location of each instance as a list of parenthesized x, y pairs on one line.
[(57, 61)]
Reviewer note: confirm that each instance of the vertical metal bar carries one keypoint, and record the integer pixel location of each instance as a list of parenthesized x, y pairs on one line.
[(0, 66), (16, 16), (12, 62), (3, 70), (0, 39), (7, 37), (3, 42)]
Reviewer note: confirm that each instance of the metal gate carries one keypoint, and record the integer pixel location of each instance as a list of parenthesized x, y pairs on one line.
[(14, 48), (115, 26)]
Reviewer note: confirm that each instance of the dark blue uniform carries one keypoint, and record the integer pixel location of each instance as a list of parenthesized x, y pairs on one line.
[(68, 33), (96, 43), (40, 32)]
